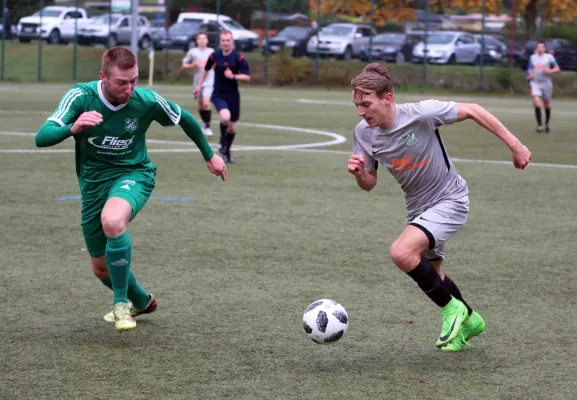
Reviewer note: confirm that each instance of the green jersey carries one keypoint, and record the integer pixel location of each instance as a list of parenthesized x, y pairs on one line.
[(117, 145)]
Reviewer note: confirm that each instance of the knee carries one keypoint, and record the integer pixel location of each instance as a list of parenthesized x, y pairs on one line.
[(99, 269), (224, 117), (113, 226), (402, 256)]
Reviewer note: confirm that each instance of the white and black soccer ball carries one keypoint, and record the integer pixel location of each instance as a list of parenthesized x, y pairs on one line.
[(325, 321)]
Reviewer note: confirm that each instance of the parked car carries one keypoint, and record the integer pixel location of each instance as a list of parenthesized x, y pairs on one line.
[(494, 49), (448, 47), (506, 44), (58, 24), (182, 36), (551, 44), (115, 29), (391, 47), (341, 40), (294, 38), (244, 39), (566, 57)]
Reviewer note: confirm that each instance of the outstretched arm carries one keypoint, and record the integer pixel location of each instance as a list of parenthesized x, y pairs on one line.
[(521, 155), (214, 163), (50, 134)]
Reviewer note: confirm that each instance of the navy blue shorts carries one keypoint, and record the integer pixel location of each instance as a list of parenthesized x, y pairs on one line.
[(228, 101)]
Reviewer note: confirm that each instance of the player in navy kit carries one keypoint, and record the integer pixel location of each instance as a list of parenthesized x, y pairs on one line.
[(229, 67)]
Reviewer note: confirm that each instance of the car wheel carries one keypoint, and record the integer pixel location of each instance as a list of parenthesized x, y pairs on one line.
[(400, 58), (477, 60), (23, 40), (144, 43), (452, 59), (348, 54), (111, 41), (54, 37)]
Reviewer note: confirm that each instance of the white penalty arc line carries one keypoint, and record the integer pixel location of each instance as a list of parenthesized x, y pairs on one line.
[(304, 148)]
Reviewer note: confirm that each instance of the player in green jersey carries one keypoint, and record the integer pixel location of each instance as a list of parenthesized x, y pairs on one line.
[(108, 120)]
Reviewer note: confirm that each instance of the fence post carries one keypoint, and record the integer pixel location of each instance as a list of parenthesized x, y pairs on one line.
[(2, 64), (266, 50), (40, 41), (482, 60), (75, 56), (317, 49), (166, 23), (372, 27), (541, 16), (426, 49)]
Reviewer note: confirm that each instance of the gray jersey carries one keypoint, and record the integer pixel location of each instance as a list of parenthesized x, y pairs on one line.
[(197, 54), (545, 60), (414, 153)]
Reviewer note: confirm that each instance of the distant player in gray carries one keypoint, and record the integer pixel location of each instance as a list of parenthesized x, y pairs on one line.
[(542, 65), (196, 58), (405, 139)]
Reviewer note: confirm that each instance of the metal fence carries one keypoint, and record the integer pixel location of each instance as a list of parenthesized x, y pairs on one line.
[(266, 21)]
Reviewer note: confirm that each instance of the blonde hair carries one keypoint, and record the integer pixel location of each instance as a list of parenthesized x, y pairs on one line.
[(120, 57), (373, 78)]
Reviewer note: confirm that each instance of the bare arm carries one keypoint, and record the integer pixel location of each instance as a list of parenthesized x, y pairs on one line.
[(521, 155), (191, 65), (365, 180), (202, 78), (242, 77)]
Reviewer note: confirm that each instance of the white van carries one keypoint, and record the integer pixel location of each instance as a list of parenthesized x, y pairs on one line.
[(244, 39)]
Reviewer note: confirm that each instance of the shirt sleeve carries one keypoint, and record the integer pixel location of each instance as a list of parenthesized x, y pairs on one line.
[(69, 108), (209, 62), (165, 112), (189, 57), (553, 62), (370, 163), (243, 67), (439, 112)]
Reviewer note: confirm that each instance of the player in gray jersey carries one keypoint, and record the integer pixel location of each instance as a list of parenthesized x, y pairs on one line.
[(405, 139), (196, 59), (541, 66)]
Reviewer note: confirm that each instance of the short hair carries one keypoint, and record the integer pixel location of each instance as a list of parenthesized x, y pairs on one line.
[(120, 57), (225, 32), (541, 42), (202, 33), (374, 78)]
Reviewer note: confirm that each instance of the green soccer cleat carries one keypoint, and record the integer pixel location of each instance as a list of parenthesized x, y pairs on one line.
[(474, 326), (124, 321), (454, 315), (150, 307)]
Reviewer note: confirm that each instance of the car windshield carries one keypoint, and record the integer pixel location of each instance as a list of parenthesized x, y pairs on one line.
[(232, 24), (440, 39), (293, 31), (105, 19), (390, 38), (184, 27), (47, 12), (337, 30)]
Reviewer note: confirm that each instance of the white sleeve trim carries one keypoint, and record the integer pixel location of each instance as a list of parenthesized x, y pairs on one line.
[(58, 121), (174, 117)]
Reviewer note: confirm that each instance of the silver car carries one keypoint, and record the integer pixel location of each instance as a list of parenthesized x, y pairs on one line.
[(341, 40), (113, 30), (448, 47)]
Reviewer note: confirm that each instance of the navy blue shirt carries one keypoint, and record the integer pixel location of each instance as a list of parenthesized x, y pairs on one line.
[(237, 64)]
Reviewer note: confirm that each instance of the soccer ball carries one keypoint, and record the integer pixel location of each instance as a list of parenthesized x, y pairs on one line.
[(325, 321)]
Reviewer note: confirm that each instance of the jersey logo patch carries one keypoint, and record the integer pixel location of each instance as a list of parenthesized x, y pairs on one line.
[(131, 124), (410, 139)]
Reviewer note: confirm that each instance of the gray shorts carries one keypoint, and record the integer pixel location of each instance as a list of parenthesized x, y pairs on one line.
[(440, 223), (543, 90), (205, 91)]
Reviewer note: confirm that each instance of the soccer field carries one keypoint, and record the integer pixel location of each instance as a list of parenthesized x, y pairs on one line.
[(234, 264)]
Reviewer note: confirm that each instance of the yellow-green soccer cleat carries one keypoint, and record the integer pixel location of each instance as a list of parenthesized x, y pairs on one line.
[(124, 321), (474, 326), (454, 315), (150, 307)]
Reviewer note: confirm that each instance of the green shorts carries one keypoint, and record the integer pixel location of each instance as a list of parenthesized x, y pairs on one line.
[(134, 187)]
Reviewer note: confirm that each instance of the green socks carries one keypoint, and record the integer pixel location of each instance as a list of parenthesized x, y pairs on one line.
[(117, 255)]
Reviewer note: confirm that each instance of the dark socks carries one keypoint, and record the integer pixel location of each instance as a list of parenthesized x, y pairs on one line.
[(547, 115), (454, 290), (107, 282), (228, 139), (430, 282), (222, 135), (205, 116), (538, 115)]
